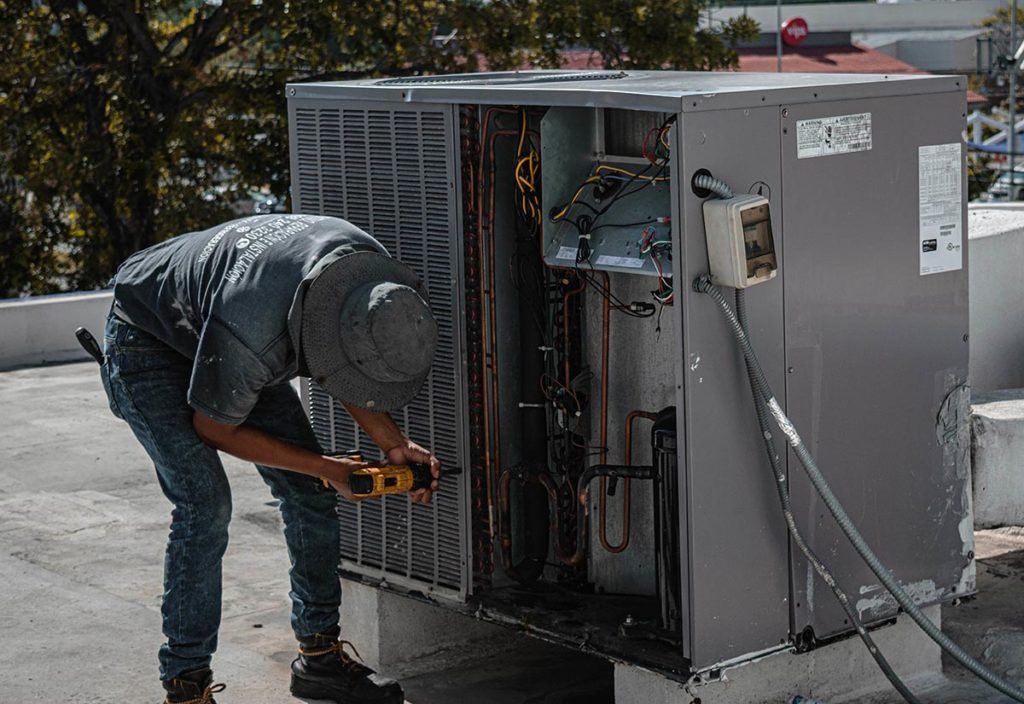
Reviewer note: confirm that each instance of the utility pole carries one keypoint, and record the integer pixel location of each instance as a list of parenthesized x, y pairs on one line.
[(1012, 142), (778, 34)]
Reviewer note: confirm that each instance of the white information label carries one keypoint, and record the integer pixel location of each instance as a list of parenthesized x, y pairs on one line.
[(940, 178), (826, 136), (630, 262), (566, 253)]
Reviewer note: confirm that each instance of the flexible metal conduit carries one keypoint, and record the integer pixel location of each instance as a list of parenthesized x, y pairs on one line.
[(716, 185), (703, 285)]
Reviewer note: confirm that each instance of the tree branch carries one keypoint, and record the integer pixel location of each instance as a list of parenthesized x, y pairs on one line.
[(207, 30)]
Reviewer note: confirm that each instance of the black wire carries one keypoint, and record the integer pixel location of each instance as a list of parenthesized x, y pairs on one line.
[(625, 224), (617, 303), (622, 191)]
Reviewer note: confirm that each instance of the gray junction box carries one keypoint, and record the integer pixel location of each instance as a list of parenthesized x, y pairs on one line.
[(863, 335)]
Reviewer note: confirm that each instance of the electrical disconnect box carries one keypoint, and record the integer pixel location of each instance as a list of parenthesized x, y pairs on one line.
[(741, 251), (615, 490)]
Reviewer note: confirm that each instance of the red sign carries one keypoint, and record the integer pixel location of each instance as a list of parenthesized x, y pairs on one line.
[(794, 31)]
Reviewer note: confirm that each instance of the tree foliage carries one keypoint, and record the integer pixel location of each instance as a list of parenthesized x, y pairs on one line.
[(125, 122), (998, 25)]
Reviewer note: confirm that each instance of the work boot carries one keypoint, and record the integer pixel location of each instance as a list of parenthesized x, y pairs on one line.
[(192, 687), (325, 671)]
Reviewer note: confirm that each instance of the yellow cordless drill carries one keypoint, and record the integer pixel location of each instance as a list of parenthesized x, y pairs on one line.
[(390, 479), (372, 482)]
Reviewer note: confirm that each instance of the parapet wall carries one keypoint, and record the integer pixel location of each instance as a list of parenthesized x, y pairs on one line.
[(41, 329), (996, 255)]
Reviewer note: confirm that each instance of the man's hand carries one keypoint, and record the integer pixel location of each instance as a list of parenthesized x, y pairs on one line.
[(382, 428), (336, 470), (408, 452)]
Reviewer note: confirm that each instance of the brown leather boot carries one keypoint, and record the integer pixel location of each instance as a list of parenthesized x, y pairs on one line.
[(325, 671), (192, 687)]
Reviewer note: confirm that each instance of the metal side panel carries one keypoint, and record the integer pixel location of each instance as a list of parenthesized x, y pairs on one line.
[(737, 561), (877, 355), (392, 170)]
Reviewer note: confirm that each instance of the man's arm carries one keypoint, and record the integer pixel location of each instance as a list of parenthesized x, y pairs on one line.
[(262, 448), (257, 446)]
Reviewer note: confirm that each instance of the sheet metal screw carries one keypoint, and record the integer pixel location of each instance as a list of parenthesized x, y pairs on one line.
[(291, 91), (965, 337), (791, 369), (785, 112)]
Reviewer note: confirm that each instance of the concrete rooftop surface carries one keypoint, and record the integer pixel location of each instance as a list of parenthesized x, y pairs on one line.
[(82, 532)]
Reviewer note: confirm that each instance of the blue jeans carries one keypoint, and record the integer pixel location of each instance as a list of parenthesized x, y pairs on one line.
[(146, 383)]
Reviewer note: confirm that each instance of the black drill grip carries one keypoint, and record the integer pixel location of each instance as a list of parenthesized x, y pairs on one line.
[(89, 344)]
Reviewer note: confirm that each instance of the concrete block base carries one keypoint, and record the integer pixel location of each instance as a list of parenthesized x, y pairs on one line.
[(997, 446), (403, 636), (837, 673)]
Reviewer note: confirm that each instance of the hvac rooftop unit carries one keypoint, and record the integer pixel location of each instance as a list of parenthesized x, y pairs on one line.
[(558, 220)]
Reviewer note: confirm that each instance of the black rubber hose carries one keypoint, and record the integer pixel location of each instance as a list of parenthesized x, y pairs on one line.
[(782, 486), (703, 284)]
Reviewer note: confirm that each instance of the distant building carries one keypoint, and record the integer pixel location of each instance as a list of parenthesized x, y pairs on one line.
[(938, 36), (821, 52), (830, 52)]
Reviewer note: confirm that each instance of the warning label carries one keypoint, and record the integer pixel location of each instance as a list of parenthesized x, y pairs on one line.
[(940, 178), (630, 262), (566, 253), (827, 136)]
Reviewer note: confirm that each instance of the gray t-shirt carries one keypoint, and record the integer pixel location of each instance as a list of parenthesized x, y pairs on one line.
[(229, 298)]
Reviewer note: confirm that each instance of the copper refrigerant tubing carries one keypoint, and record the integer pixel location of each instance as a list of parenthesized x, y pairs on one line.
[(490, 353), (606, 312), (577, 557), (565, 326), (488, 265), (491, 284), (504, 524), (626, 487)]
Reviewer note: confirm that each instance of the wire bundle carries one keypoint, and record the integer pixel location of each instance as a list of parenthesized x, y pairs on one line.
[(620, 183), (604, 174), (527, 165), (656, 249), (660, 143)]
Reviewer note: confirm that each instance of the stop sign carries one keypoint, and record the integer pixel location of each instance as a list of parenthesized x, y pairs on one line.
[(794, 31)]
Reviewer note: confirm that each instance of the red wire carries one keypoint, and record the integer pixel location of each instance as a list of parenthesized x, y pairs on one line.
[(643, 148)]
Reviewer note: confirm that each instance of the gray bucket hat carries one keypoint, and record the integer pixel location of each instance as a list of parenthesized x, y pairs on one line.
[(367, 333)]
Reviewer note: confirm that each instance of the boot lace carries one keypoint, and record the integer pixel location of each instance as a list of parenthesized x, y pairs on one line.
[(205, 698), (339, 648)]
